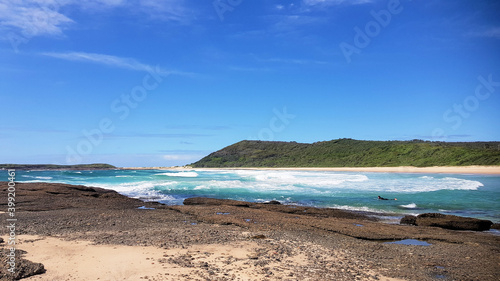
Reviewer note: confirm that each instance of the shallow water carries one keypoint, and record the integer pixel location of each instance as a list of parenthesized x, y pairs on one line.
[(458, 194), (410, 242)]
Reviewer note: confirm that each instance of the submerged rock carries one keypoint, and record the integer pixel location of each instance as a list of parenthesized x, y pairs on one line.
[(447, 221), (273, 202)]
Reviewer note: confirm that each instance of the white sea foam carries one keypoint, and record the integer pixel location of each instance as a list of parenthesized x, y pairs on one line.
[(156, 196), (227, 184), (329, 182), (180, 174), (361, 208), (424, 184), (314, 179), (313, 187), (257, 187), (31, 181), (145, 190), (132, 188), (37, 177), (409, 206)]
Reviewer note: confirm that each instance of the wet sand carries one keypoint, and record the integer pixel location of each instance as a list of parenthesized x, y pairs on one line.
[(82, 233)]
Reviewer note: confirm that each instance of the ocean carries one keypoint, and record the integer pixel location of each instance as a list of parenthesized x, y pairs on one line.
[(467, 195)]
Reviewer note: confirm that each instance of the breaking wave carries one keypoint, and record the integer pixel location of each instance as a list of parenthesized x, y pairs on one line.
[(180, 174), (409, 206)]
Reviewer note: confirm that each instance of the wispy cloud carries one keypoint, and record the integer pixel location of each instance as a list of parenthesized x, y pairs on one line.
[(179, 157), (198, 127), (167, 10), (492, 32), (335, 2), (293, 61), (157, 135), (434, 138), (305, 6), (34, 130), (113, 61), (184, 155), (249, 69), (126, 63), (288, 23), (31, 18)]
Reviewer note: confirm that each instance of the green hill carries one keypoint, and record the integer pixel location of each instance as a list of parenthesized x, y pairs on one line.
[(57, 167), (353, 153)]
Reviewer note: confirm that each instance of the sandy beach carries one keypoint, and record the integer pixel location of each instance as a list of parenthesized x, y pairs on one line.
[(491, 170), (85, 233)]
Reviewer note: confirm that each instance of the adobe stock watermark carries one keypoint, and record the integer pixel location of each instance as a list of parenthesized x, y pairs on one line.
[(11, 221), (122, 107), (363, 37), (458, 112), (223, 6), (277, 124)]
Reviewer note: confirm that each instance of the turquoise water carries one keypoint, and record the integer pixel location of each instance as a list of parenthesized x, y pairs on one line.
[(458, 194)]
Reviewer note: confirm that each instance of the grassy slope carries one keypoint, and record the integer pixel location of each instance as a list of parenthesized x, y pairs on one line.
[(353, 153)]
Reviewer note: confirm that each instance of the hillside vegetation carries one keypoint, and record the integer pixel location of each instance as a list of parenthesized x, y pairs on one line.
[(353, 153), (57, 167)]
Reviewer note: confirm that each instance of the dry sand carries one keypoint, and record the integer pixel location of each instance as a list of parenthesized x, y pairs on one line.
[(81, 260)]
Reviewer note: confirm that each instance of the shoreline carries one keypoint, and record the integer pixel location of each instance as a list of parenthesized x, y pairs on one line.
[(108, 235), (483, 170)]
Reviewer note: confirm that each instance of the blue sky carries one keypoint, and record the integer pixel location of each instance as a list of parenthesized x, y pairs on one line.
[(161, 83)]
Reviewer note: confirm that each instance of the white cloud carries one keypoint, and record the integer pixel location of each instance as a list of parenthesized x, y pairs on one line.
[(31, 18), (166, 10), (175, 157), (293, 61), (126, 63), (493, 32), (335, 2), (183, 157), (292, 22), (114, 61)]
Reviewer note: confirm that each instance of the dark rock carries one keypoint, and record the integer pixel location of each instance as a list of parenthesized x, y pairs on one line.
[(24, 268), (495, 226), (83, 188), (409, 219), (273, 202), (54, 196), (215, 202), (452, 222), (432, 215)]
